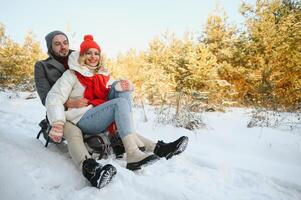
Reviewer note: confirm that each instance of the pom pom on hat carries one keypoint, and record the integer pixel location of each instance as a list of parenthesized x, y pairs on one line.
[(88, 37), (88, 43)]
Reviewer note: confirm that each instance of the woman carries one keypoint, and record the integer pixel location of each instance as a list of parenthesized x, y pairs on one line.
[(108, 103)]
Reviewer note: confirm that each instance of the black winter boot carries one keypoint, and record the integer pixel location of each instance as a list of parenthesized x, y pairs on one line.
[(117, 145), (98, 175), (168, 150)]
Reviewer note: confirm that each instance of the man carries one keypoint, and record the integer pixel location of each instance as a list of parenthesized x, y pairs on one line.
[(46, 73)]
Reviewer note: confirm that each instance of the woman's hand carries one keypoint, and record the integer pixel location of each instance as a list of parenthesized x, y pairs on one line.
[(76, 103), (57, 131), (124, 85)]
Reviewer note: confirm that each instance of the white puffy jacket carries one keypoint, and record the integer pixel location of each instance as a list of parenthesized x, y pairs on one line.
[(68, 87)]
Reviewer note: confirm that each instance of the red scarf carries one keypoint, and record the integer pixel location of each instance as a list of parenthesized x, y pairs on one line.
[(96, 91)]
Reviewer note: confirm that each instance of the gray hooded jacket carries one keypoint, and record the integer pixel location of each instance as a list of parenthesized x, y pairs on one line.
[(46, 73)]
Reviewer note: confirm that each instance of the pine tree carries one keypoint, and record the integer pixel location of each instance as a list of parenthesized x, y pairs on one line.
[(274, 33), (17, 61)]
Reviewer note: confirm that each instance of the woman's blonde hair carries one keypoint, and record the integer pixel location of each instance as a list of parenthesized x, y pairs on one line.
[(82, 58)]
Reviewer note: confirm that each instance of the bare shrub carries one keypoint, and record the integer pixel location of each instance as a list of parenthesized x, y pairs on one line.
[(185, 118), (275, 119)]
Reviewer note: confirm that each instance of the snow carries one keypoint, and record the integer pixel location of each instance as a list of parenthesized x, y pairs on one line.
[(226, 160)]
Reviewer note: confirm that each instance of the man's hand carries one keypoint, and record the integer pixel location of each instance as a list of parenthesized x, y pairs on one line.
[(56, 132), (76, 103)]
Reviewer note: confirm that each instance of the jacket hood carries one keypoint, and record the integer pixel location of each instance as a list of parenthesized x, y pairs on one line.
[(74, 65)]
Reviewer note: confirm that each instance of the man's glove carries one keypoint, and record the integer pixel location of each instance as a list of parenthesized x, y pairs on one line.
[(57, 131)]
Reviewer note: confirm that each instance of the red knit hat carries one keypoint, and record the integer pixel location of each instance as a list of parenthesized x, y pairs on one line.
[(87, 44)]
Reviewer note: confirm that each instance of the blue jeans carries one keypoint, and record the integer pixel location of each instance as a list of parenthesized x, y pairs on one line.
[(118, 109)]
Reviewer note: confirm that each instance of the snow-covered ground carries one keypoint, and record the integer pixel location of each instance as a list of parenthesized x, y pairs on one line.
[(225, 161)]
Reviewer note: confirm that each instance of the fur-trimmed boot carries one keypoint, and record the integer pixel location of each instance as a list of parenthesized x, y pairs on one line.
[(98, 175), (134, 156), (163, 149)]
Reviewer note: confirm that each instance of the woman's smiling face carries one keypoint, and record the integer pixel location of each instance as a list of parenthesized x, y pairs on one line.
[(92, 57)]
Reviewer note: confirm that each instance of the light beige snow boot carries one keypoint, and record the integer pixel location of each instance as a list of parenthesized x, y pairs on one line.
[(139, 143), (149, 145), (134, 157)]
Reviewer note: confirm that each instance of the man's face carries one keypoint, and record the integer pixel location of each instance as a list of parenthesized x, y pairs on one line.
[(60, 46)]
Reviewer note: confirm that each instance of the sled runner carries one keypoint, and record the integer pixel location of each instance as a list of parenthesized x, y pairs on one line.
[(99, 145)]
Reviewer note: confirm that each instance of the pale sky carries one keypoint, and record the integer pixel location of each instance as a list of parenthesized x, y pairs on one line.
[(117, 25)]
